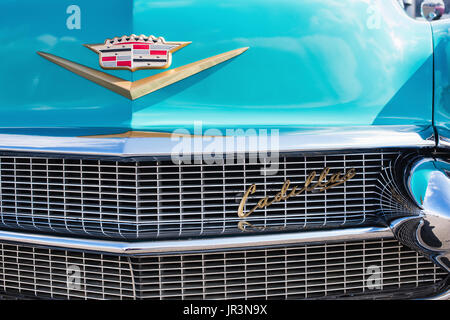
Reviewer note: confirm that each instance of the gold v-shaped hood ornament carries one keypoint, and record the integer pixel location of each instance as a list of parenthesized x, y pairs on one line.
[(139, 88)]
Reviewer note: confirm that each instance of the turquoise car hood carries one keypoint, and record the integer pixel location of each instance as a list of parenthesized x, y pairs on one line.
[(334, 63)]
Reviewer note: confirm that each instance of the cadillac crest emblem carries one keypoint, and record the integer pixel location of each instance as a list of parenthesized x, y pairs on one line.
[(139, 52), (136, 52)]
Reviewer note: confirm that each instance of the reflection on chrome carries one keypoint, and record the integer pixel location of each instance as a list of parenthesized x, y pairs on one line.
[(432, 9), (428, 231)]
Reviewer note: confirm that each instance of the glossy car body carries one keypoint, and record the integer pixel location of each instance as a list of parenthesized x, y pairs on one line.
[(349, 76), (373, 76)]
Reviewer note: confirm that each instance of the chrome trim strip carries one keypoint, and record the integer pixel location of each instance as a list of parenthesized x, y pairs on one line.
[(443, 142), (443, 137), (205, 244), (133, 281), (317, 139)]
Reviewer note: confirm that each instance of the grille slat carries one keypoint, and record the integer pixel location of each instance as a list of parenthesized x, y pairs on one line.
[(142, 198), (294, 272)]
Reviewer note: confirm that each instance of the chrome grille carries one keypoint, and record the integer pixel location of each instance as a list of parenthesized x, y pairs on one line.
[(147, 198), (47, 273), (297, 272)]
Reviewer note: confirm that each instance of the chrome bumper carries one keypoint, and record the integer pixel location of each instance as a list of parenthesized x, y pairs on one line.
[(195, 245), (131, 267)]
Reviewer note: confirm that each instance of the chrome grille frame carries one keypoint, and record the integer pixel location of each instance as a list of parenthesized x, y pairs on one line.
[(154, 198)]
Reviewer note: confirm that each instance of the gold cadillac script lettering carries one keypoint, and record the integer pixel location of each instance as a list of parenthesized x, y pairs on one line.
[(284, 194)]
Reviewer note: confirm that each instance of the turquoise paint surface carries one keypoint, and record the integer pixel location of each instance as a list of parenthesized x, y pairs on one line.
[(337, 63), (441, 35), (419, 182), (37, 93)]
